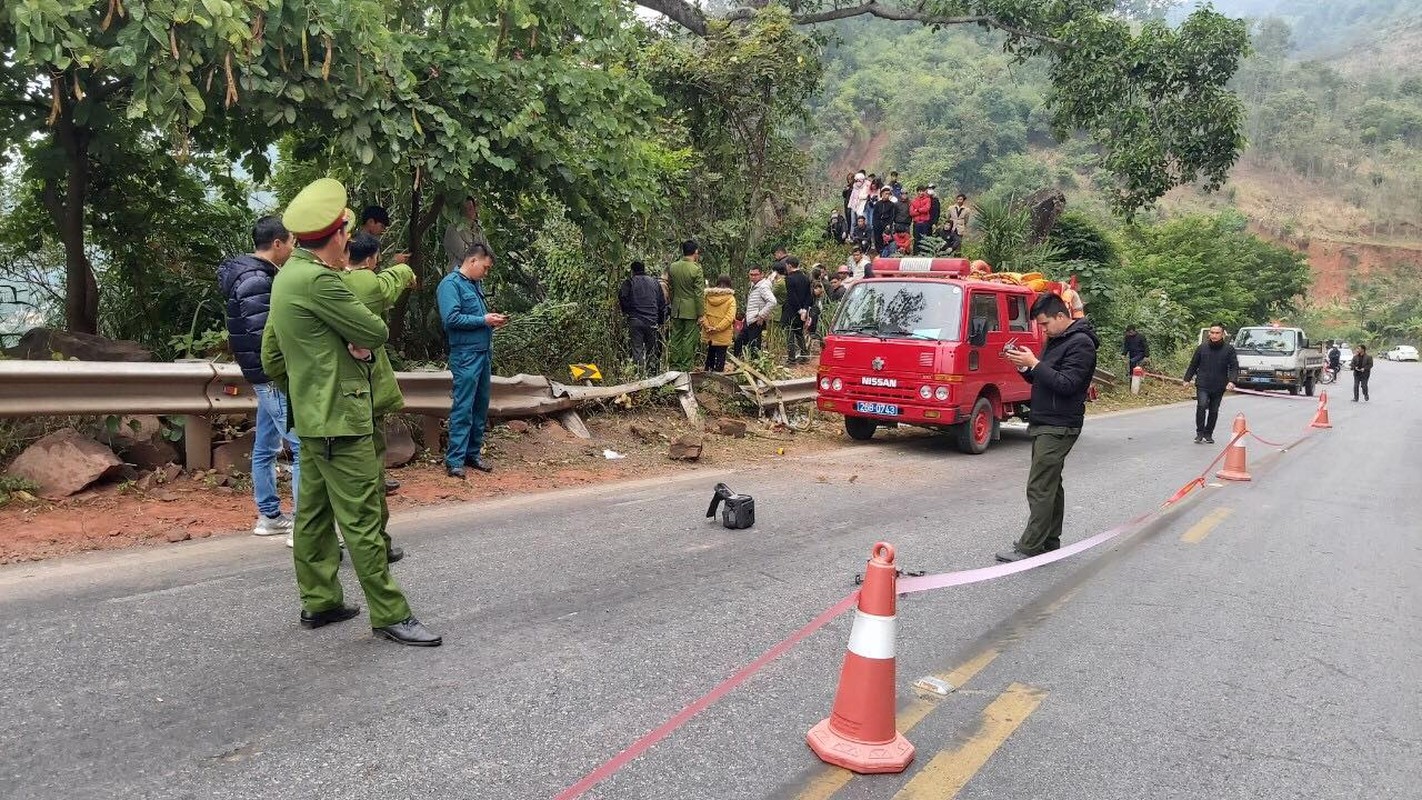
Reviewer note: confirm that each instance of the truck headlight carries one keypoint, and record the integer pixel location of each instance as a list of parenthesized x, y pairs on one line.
[(837, 384), (926, 392), (941, 393), (824, 384)]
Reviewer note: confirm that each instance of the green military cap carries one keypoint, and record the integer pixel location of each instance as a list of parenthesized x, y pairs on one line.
[(317, 211)]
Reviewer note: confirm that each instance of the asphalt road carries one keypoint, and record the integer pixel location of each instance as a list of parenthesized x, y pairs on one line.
[(1260, 641)]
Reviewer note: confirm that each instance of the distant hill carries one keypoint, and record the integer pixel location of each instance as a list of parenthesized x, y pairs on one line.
[(1386, 30)]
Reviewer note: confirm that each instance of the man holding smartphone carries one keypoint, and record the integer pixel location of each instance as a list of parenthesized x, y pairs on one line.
[(469, 326), (1060, 380)]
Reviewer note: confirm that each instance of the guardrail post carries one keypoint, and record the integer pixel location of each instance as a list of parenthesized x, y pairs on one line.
[(197, 442), (431, 428)]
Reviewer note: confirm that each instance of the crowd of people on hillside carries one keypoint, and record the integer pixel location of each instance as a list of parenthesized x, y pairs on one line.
[(877, 217)]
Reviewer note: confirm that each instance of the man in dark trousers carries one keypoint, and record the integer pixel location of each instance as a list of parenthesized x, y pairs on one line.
[(1362, 370), (1135, 348), (795, 314), (642, 301), (1214, 369), (1060, 380)]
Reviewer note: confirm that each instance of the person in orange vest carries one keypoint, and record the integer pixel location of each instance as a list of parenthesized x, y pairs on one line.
[(1072, 298)]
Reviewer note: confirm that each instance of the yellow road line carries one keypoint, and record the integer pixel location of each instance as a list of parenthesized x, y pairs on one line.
[(830, 780), (1201, 529), (949, 771)]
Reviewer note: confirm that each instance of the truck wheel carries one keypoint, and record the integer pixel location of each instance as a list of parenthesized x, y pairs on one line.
[(975, 435), (1308, 385), (1294, 389), (860, 428)]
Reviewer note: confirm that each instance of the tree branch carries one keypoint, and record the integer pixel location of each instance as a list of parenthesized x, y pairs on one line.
[(690, 17), (682, 12)]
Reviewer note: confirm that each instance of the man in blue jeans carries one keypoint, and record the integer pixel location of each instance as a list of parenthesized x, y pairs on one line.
[(246, 282), (469, 327)]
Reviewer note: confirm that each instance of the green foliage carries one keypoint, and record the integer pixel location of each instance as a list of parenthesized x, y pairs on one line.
[(10, 485), (1003, 230), (1215, 269)]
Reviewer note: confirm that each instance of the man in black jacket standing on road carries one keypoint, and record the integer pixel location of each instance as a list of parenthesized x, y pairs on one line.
[(1214, 368), (1060, 380)]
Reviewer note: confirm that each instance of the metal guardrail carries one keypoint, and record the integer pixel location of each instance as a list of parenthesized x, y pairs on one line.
[(200, 390)]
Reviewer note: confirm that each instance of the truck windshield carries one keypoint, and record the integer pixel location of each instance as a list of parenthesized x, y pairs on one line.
[(909, 309), (1266, 341)]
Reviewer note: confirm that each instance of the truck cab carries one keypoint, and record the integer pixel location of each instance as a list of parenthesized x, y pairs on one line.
[(1276, 357), (922, 343)]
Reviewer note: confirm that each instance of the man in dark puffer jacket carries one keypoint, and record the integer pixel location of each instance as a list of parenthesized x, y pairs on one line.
[(1060, 380), (246, 282)]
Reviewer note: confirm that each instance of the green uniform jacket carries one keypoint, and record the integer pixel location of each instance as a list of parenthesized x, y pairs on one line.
[(313, 316), (379, 292), (688, 289)]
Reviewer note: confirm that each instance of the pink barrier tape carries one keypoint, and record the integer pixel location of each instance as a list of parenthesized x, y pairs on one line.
[(911, 585), (637, 748), (1235, 390)]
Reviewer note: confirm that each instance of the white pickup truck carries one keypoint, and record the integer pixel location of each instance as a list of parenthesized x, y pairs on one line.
[(1273, 357)]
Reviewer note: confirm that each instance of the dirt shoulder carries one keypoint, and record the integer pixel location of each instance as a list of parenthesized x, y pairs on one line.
[(542, 457), (535, 457)]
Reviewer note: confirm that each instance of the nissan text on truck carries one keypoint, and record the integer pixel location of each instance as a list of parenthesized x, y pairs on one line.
[(922, 343)]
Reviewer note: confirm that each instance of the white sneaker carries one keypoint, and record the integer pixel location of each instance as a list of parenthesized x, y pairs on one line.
[(290, 540), (273, 526)]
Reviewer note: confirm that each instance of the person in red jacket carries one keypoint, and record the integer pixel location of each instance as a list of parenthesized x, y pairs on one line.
[(921, 212)]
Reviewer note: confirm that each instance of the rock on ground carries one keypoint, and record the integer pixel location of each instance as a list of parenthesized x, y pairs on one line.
[(65, 462), (400, 447)]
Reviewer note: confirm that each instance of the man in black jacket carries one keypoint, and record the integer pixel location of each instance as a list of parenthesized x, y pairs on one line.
[(1135, 348), (795, 314), (1060, 380), (1214, 368), (1362, 370), (645, 306), (246, 282), (883, 220)]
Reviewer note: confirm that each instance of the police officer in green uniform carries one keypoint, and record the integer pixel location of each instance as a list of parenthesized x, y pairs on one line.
[(313, 342), (379, 293)]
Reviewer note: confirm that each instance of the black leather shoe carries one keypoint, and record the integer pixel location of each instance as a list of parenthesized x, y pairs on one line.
[(1209, 440), (478, 462), (1199, 439), (1011, 556), (391, 486), (337, 614), (396, 553), (454, 472), (410, 632)]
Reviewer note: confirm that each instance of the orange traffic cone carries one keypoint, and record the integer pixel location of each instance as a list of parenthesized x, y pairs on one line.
[(1320, 420), (859, 733), (1234, 466)]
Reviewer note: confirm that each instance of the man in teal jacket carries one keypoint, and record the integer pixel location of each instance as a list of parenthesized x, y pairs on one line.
[(469, 327)]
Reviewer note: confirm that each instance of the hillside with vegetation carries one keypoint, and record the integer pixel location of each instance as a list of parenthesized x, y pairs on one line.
[(1332, 166)]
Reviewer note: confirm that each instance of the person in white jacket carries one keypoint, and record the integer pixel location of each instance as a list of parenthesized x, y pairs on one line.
[(760, 303), (858, 197)]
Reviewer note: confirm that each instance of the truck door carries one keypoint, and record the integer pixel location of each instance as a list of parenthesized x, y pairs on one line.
[(985, 314)]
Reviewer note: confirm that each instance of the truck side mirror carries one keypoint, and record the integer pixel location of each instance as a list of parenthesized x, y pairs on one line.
[(977, 332)]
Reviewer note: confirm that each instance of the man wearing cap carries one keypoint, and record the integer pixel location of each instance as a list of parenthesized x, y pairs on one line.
[(317, 341)]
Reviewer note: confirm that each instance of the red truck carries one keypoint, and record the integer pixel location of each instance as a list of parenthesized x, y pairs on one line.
[(922, 343)]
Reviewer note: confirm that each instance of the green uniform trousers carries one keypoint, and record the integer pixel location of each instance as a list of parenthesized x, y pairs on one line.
[(681, 349), (344, 487), (378, 440), (1046, 499)]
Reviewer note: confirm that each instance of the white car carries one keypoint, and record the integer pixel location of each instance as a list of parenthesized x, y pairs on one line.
[(1403, 352), (1345, 357)]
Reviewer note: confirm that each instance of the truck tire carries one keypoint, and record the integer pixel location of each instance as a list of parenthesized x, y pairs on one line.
[(975, 434), (1309, 383), (860, 429), (1294, 387)]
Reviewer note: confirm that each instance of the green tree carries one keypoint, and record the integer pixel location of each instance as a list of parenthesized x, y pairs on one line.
[(1154, 98)]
